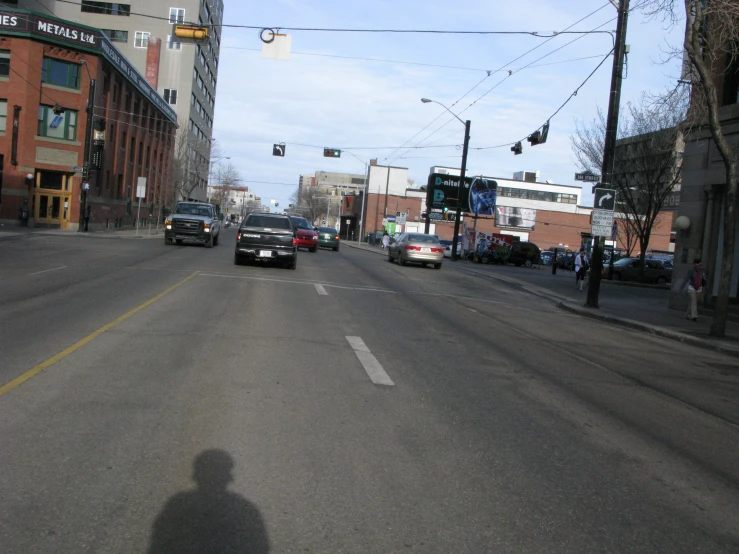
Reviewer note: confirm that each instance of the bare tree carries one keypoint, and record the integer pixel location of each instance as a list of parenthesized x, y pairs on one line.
[(310, 202), (191, 165), (227, 179), (711, 46), (647, 163)]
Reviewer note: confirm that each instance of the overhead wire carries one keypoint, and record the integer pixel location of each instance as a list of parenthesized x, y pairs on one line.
[(388, 158)]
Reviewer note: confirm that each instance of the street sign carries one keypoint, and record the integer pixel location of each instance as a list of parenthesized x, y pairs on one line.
[(141, 187), (437, 216), (400, 218), (587, 176), (278, 149), (605, 199), (602, 223), (75, 168)]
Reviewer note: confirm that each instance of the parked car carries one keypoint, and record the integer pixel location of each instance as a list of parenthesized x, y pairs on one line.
[(627, 269), (193, 222), (546, 257), (267, 237), (447, 244), (306, 234), (417, 248), (524, 253), (328, 237)]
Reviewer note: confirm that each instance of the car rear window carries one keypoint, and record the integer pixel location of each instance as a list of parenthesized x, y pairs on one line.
[(302, 223), (267, 221), (327, 230), (423, 238)]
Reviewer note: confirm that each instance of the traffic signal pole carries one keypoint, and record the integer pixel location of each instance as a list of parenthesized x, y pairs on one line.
[(458, 214), (86, 158), (609, 149)]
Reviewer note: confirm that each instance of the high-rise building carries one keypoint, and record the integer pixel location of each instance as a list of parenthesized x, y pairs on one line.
[(184, 73)]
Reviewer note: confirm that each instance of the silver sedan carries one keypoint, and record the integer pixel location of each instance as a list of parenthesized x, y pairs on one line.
[(418, 248)]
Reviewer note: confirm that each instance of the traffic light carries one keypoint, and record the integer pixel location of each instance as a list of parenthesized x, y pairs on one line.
[(192, 32), (539, 137), (517, 148), (446, 209), (331, 153)]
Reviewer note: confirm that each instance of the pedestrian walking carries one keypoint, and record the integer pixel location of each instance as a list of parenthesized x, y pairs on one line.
[(385, 240), (695, 281), (581, 268), (88, 213)]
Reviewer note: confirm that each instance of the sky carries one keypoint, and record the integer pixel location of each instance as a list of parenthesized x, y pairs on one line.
[(361, 92)]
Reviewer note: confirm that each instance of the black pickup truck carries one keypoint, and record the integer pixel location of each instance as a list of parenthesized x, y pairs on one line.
[(267, 237), (193, 221)]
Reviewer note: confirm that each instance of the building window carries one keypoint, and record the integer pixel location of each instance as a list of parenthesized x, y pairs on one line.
[(170, 95), (194, 73), (190, 124), (172, 44), (176, 15), (200, 83), (3, 114), (4, 63), (60, 126), (61, 73), (192, 99), (141, 39), (108, 8), (202, 58), (207, 10), (115, 35)]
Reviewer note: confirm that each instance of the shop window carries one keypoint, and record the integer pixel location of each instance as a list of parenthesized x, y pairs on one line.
[(51, 180), (57, 125), (60, 73)]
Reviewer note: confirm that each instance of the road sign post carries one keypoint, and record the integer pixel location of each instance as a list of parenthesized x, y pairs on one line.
[(140, 193)]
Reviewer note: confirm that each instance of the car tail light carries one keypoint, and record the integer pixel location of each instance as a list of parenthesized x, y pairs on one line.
[(238, 236), (337, 237), (295, 240), (437, 250), (409, 247)]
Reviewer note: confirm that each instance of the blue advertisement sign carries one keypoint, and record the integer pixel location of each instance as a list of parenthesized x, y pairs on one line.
[(478, 196)]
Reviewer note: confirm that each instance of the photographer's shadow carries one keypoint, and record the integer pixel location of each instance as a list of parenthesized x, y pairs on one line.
[(210, 518)]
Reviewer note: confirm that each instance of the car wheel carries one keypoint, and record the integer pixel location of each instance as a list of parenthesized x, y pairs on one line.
[(336, 249), (437, 266), (237, 259), (616, 276), (401, 261), (293, 264), (423, 264), (661, 280), (209, 242), (389, 257), (179, 241), (167, 241), (527, 263), (215, 239), (314, 249), (485, 259)]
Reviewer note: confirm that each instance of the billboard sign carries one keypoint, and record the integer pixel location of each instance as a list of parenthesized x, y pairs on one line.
[(516, 218), (478, 196)]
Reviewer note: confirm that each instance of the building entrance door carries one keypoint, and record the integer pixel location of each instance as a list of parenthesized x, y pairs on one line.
[(51, 210)]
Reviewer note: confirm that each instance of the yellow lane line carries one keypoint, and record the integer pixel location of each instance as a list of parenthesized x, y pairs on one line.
[(9, 386)]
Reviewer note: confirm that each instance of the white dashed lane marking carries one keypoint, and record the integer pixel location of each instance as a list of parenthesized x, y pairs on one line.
[(320, 290), (373, 368), (47, 270)]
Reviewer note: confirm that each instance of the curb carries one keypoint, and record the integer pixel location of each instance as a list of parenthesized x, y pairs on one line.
[(651, 329)]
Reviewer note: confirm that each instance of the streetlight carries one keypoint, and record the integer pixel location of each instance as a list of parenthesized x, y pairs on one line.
[(364, 194), (458, 214)]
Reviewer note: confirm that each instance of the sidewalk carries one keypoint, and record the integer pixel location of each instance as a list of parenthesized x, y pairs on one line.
[(11, 231), (640, 307)]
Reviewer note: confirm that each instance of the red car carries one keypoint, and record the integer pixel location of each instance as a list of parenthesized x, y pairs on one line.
[(306, 233)]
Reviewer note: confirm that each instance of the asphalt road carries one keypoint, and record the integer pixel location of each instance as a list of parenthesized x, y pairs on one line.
[(161, 399)]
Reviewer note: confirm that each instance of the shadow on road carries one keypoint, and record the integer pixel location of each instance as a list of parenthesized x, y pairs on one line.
[(209, 518)]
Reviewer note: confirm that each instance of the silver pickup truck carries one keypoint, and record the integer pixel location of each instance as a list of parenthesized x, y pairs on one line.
[(194, 222)]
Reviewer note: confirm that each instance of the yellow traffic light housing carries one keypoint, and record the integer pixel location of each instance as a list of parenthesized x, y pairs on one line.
[(191, 32)]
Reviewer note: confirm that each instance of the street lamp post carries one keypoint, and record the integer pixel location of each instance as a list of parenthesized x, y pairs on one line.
[(364, 193), (465, 148)]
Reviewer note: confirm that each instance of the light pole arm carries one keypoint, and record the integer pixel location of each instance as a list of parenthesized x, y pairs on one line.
[(426, 101)]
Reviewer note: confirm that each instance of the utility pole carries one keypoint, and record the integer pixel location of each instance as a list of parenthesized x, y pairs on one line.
[(458, 213), (609, 149), (86, 162)]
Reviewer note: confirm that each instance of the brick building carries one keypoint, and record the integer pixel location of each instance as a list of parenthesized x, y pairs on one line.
[(47, 66)]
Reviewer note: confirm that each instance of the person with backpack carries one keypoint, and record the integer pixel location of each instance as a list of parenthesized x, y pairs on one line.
[(695, 281)]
